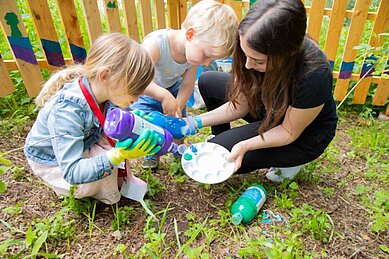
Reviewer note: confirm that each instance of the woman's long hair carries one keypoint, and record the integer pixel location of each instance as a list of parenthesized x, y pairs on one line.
[(275, 28)]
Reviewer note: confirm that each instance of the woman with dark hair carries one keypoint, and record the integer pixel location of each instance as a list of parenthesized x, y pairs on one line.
[(281, 84)]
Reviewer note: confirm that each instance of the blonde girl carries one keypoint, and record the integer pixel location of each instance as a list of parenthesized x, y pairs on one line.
[(65, 145)]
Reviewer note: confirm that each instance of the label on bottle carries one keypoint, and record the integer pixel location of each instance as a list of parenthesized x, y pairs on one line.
[(141, 124), (256, 194)]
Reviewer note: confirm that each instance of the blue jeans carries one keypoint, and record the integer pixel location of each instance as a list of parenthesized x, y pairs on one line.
[(148, 104)]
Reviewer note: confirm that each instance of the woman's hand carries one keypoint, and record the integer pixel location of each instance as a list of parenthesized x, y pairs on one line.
[(169, 104), (237, 153)]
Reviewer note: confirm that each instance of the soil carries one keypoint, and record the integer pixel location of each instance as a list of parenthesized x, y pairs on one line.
[(353, 236)]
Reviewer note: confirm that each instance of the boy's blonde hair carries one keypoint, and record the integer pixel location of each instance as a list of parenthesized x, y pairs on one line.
[(214, 24), (127, 63)]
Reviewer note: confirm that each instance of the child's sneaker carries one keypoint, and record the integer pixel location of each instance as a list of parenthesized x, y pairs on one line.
[(277, 175), (150, 162)]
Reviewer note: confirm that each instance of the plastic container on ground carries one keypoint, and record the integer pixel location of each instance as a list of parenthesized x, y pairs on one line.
[(247, 206)]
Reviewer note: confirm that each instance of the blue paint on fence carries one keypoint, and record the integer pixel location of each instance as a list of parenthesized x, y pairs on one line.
[(22, 49), (53, 52), (78, 53), (346, 69)]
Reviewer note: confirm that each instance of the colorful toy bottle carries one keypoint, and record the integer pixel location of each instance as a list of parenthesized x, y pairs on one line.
[(121, 124), (176, 126), (246, 207)]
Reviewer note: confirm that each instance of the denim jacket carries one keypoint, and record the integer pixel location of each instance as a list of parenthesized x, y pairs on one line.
[(65, 127)]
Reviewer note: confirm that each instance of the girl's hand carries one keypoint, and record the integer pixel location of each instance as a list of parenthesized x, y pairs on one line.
[(237, 153), (169, 105)]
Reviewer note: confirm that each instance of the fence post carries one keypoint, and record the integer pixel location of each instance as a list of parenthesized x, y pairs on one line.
[(380, 26), (13, 26)]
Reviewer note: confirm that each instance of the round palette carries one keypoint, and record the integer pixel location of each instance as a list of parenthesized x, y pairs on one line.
[(206, 163)]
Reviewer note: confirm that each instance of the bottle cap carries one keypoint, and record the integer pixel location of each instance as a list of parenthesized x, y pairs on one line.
[(237, 218), (181, 149)]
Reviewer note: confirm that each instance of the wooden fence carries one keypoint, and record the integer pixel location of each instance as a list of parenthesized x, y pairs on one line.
[(139, 17)]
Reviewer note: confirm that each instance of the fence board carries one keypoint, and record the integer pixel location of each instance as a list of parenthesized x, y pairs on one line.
[(315, 18), (131, 19), (6, 84), (68, 14), (111, 10), (173, 14), (183, 11), (15, 31), (335, 29), (354, 36), (146, 19), (93, 21), (380, 26), (237, 6), (160, 14), (40, 12), (382, 93)]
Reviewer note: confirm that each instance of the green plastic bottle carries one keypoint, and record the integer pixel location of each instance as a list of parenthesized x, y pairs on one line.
[(246, 207)]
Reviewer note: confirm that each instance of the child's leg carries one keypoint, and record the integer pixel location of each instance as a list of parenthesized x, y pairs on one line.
[(105, 190)]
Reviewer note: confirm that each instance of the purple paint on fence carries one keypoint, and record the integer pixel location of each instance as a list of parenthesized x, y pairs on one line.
[(344, 74), (24, 54), (346, 70), (78, 53), (55, 59), (53, 52)]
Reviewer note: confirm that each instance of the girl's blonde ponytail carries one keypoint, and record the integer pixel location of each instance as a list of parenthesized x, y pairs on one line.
[(57, 81)]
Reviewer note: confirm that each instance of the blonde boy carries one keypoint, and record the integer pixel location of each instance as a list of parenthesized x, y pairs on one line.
[(207, 33)]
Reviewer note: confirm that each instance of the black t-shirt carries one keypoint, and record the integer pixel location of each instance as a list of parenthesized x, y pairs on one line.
[(314, 90)]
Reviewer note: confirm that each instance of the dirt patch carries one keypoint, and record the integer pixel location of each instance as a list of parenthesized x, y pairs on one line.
[(186, 203)]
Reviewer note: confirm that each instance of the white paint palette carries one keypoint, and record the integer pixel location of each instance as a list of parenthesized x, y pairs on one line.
[(206, 163)]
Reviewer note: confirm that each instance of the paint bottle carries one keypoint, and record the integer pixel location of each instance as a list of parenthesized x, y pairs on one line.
[(247, 206), (121, 124), (176, 126)]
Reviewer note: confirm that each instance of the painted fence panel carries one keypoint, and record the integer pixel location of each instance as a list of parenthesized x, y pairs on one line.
[(353, 39), (46, 32), (11, 22), (334, 29), (111, 10), (68, 14), (380, 26)]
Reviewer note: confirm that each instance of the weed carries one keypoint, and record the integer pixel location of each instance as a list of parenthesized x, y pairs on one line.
[(373, 137), (15, 209), (283, 201), (153, 183), (275, 247), (316, 222), (328, 191), (5, 165), (378, 209), (156, 246), (122, 217)]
